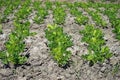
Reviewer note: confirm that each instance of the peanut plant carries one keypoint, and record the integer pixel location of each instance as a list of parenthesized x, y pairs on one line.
[(1, 29), (117, 30), (97, 18), (15, 45), (111, 13), (37, 4), (24, 11), (10, 7), (80, 18), (41, 12), (58, 44), (40, 15), (48, 5), (97, 51), (59, 15)]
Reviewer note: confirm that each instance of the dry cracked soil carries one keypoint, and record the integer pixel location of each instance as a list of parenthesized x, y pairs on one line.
[(41, 66)]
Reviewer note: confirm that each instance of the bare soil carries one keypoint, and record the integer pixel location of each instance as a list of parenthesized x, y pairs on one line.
[(41, 66)]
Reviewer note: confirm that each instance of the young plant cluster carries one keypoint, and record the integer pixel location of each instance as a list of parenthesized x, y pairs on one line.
[(112, 14), (10, 6), (1, 4), (58, 44), (48, 5), (98, 52), (1, 29), (97, 18), (82, 5), (24, 11), (58, 3), (80, 18), (41, 12), (117, 29), (116, 68), (15, 45), (59, 15), (95, 14)]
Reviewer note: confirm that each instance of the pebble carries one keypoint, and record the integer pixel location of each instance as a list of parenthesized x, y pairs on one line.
[(60, 78), (103, 69)]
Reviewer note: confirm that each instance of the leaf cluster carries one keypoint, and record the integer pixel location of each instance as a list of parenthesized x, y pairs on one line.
[(10, 7), (37, 4), (15, 45), (97, 18), (59, 15), (58, 3), (117, 29), (41, 12), (40, 15), (48, 5), (98, 52), (111, 13), (80, 18), (58, 44), (24, 11), (1, 29)]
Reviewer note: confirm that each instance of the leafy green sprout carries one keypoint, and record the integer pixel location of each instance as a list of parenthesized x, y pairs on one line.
[(0, 29), (116, 68), (97, 51), (15, 45), (58, 44)]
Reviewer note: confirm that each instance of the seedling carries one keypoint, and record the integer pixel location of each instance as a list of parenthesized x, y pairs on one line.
[(15, 45), (48, 5), (81, 19), (58, 44), (0, 29), (10, 6), (98, 52), (116, 68), (40, 15), (117, 31), (97, 18), (23, 12), (75, 12), (59, 15), (36, 5)]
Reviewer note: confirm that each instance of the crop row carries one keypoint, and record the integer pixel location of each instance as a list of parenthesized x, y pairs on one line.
[(58, 41), (111, 10), (95, 14), (58, 44), (10, 7), (98, 52), (15, 45), (40, 14), (59, 11), (115, 21), (59, 15), (25, 10), (80, 18)]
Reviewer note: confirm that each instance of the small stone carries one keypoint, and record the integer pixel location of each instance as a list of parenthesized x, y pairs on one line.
[(60, 78), (31, 21), (3, 37), (103, 69), (21, 78)]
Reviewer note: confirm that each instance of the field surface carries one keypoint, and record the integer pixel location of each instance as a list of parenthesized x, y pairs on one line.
[(65, 40)]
